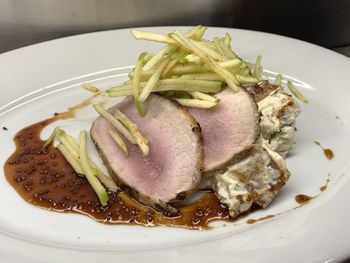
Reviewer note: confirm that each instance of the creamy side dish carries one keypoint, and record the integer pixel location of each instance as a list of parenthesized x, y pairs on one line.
[(279, 112)]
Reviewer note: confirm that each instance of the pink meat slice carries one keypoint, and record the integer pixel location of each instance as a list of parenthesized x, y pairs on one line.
[(173, 167), (229, 128)]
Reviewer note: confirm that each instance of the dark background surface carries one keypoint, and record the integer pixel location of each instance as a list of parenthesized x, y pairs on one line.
[(323, 22)]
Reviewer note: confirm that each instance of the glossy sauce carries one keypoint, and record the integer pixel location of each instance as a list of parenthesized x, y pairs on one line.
[(44, 178), (70, 113), (253, 221), (324, 187), (327, 152), (302, 199)]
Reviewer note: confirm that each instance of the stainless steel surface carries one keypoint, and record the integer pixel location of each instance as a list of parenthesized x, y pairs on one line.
[(25, 22)]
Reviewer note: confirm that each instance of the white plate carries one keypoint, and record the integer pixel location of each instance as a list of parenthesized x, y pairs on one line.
[(38, 80)]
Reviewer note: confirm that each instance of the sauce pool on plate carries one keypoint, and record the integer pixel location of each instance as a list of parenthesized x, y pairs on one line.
[(326, 151), (45, 179), (303, 199)]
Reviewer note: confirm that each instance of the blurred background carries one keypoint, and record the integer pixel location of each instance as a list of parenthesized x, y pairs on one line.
[(323, 22)]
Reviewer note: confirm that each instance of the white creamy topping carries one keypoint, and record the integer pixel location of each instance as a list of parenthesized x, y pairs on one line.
[(254, 179), (278, 114), (232, 192)]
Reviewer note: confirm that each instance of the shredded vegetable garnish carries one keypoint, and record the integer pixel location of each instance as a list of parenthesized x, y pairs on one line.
[(202, 76), (71, 159), (195, 103), (51, 138), (94, 182), (141, 141), (193, 59), (152, 37), (198, 34), (246, 79), (218, 45), (136, 84), (105, 179), (194, 31), (69, 146), (157, 58), (70, 150), (205, 56), (231, 64), (176, 70), (257, 68), (126, 127), (189, 67), (203, 96), (173, 62), (139, 107), (119, 141), (90, 87), (227, 41), (296, 92), (126, 90), (185, 82), (116, 123), (187, 57), (278, 80), (176, 94), (226, 51), (210, 51), (72, 142), (151, 83)]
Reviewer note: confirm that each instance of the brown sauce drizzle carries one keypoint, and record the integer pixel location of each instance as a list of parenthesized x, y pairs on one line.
[(327, 152), (324, 187), (253, 221), (302, 199), (44, 178), (70, 113)]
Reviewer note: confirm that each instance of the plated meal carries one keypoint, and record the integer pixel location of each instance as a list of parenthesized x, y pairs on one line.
[(201, 135)]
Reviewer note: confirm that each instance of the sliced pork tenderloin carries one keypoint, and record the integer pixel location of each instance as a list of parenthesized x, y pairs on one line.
[(228, 129), (173, 167)]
